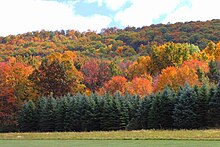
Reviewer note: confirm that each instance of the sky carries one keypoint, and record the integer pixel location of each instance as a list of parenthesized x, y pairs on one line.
[(21, 16)]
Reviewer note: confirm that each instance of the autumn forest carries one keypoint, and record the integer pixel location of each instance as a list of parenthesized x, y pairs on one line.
[(163, 76)]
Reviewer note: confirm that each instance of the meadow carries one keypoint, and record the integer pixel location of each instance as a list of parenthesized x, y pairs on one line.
[(108, 143), (142, 138)]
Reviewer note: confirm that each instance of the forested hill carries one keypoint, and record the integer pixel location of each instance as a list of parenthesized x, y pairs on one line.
[(110, 42), (133, 61)]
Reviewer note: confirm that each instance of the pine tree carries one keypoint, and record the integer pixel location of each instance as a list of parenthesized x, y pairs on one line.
[(108, 116), (166, 109), (77, 114), (70, 114), (134, 112), (153, 116), (145, 107), (87, 106), (214, 74), (28, 117), (60, 113), (214, 108), (202, 110), (98, 111), (124, 112), (184, 114), (47, 114)]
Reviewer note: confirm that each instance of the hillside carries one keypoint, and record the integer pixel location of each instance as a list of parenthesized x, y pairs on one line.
[(132, 70), (110, 42)]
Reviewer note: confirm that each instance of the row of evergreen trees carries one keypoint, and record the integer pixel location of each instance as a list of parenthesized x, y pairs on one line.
[(189, 108)]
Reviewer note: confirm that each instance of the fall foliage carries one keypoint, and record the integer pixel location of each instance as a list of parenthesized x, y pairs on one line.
[(133, 61)]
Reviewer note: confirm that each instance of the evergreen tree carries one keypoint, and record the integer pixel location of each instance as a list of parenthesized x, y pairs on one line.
[(134, 112), (145, 107), (77, 114), (202, 110), (60, 113), (166, 106), (108, 116), (214, 107), (153, 118), (123, 113), (87, 106), (214, 74), (160, 113), (70, 114), (184, 114), (47, 114), (28, 120), (98, 111)]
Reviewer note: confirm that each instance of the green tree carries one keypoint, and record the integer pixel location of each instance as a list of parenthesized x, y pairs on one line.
[(60, 113), (145, 107), (184, 114), (87, 106), (70, 115), (160, 113), (214, 108), (214, 74), (28, 120), (47, 107), (202, 103)]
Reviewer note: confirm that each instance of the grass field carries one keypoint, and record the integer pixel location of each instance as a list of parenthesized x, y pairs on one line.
[(118, 135), (142, 138), (108, 143)]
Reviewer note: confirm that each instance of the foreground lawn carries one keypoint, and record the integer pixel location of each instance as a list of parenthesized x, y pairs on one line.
[(118, 135), (108, 143)]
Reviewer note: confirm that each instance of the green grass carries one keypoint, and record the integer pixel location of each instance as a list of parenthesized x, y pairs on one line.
[(142, 138), (118, 135), (108, 143)]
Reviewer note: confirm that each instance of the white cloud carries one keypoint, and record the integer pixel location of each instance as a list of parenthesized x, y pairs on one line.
[(115, 4), (94, 1), (110, 4), (200, 10), (142, 12), (95, 22), (31, 15)]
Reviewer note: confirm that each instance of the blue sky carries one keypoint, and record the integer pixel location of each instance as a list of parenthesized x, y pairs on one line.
[(20, 16)]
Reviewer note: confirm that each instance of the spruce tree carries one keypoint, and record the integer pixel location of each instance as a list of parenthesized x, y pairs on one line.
[(123, 114), (184, 114), (87, 106), (60, 113), (47, 114), (77, 114), (69, 114), (108, 116), (98, 111), (214, 108), (145, 107), (28, 120), (214, 74), (202, 107), (166, 109), (134, 112)]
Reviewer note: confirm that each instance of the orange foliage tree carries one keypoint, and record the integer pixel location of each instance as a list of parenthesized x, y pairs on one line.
[(141, 86), (139, 67), (16, 76), (196, 64), (15, 88), (175, 78), (57, 75), (117, 83), (212, 51)]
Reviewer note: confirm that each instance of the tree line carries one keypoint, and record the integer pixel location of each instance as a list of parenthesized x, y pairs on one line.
[(188, 108)]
